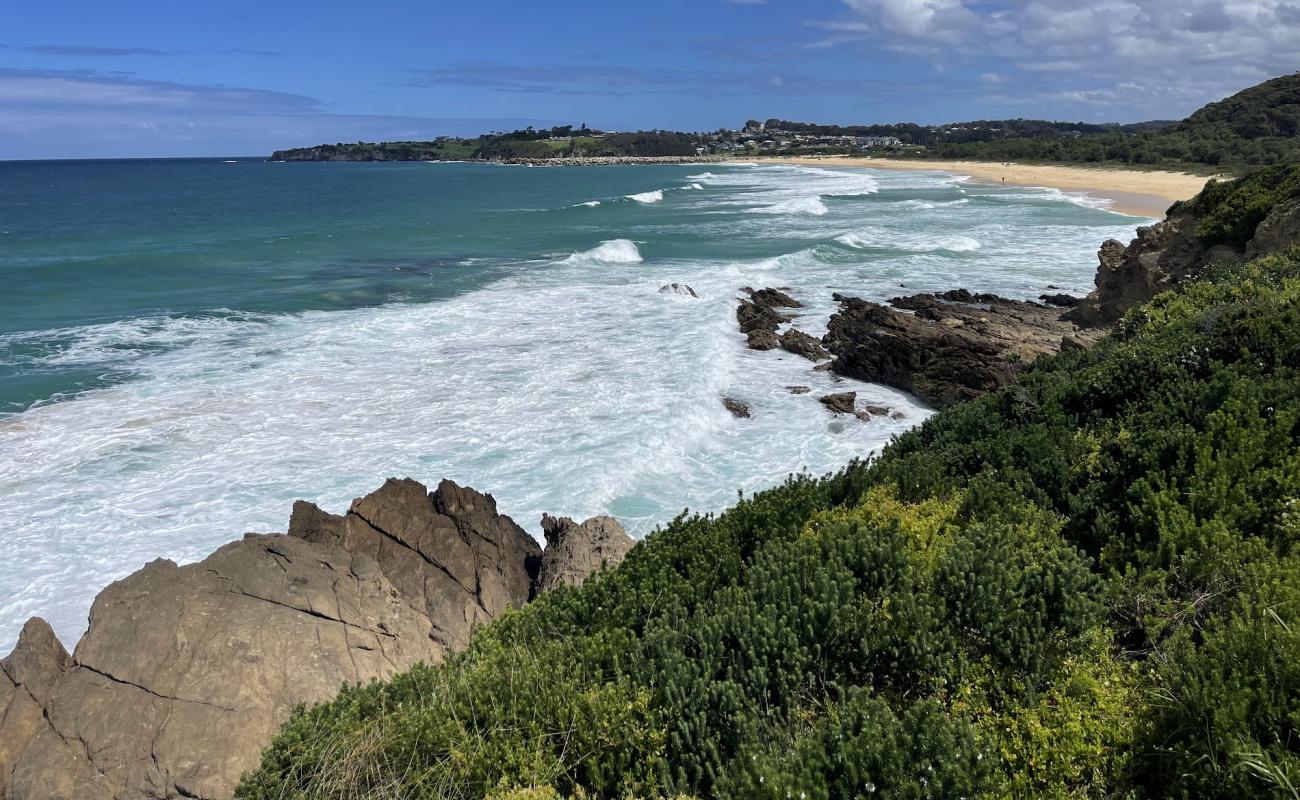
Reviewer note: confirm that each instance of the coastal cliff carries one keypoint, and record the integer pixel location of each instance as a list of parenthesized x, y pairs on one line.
[(186, 672)]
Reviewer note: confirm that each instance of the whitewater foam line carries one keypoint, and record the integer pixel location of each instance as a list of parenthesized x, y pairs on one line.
[(647, 197)]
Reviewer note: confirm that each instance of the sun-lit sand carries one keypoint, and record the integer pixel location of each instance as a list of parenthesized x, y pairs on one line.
[(1139, 192)]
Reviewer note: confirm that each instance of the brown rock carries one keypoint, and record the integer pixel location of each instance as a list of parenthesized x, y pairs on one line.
[(186, 672), (945, 351), (1162, 256), (576, 551), (801, 344), (839, 403), (1279, 230), (774, 298), (762, 340), (798, 389), (737, 408)]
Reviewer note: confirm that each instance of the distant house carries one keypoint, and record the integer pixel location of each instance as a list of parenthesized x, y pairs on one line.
[(872, 142)]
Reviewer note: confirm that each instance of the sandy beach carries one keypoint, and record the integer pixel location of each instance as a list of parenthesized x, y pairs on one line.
[(1137, 192)]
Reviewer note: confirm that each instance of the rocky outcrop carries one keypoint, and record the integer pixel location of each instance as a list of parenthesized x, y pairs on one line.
[(839, 403), (575, 551), (1160, 257), (1279, 230), (187, 671), (450, 552), (951, 347), (759, 318), (801, 344), (738, 409)]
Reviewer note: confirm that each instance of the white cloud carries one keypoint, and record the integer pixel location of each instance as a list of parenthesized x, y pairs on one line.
[(1100, 53), (940, 20)]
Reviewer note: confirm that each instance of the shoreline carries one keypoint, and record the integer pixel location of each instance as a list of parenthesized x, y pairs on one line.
[(1134, 192)]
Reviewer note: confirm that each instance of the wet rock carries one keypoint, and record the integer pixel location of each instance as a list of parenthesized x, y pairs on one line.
[(801, 344), (737, 408), (576, 551), (677, 288), (1060, 300), (759, 319), (839, 403), (762, 340), (798, 389), (773, 298)]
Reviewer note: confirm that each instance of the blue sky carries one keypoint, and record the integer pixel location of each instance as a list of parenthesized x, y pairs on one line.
[(95, 79)]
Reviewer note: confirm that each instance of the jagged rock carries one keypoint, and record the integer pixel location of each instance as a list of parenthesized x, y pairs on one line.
[(752, 316), (798, 389), (186, 672), (737, 408), (1280, 229), (824, 367), (947, 350), (677, 288), (27, 678), (839, 403), (801, 344), (1161, 256), (762, 340), (575, 551), (773, 298), (449, 549), (918, 301), (759, 319), (1060, 300)]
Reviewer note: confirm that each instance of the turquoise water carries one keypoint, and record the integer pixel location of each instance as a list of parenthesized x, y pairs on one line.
[(188, 346)]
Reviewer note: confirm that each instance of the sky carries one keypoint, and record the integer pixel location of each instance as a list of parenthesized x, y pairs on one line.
[(144, 78)]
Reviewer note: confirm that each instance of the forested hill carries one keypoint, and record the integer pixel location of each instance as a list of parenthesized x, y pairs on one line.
[(1255, 127), (1084, 585), (527, 144)]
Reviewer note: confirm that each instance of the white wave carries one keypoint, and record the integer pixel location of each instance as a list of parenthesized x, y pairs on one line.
[(615, 251), (588, 204), (647, 197), (879, 239), (703, 176), (695, 186)]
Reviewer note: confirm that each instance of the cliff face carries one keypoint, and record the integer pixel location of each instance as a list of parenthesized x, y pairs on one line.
[(186, 672)]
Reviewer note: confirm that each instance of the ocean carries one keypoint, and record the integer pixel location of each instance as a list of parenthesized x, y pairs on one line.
[(187, 346)]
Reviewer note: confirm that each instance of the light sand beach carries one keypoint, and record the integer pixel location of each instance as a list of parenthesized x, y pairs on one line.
[(1138, 192)]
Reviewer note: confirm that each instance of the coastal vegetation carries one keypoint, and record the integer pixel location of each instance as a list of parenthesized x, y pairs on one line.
[(1259, 126), (1084, 584)]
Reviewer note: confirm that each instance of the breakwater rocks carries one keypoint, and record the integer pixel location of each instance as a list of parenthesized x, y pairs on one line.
[(187, 671)]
